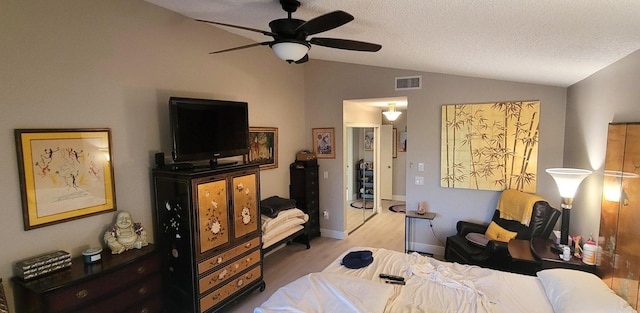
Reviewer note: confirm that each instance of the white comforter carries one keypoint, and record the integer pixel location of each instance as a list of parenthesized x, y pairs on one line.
[(329, 292), (431, 286)]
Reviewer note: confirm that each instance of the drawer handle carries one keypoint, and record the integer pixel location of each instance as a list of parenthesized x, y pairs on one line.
[(142, 291), (248, 245), (82, 294), (142, 269)]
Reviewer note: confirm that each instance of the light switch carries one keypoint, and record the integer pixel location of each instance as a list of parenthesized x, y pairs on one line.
[(326, 174), (419, 180), (420, 167)]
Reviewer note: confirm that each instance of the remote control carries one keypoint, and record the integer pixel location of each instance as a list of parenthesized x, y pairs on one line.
[(395, 282), (392, 277)]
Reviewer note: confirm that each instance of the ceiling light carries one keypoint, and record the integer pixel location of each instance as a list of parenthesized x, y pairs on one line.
[(392, 114), (290, 51)]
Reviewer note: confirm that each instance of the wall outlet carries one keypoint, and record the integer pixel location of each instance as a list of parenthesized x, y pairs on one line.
[(419, 180), (325, 214)]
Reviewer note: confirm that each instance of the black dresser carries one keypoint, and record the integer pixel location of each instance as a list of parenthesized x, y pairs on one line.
[(304, 189)]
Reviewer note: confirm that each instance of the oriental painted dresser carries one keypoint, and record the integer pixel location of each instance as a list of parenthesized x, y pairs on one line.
[(122, 283), (208, 231)]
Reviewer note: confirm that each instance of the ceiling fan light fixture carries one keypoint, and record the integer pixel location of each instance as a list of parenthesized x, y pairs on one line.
[(392, 114), (290, 51)]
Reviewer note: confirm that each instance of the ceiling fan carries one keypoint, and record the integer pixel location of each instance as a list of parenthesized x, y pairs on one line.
[(290, 41)]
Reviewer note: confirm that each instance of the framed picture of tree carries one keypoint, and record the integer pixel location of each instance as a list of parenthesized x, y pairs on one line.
[(263, 147)]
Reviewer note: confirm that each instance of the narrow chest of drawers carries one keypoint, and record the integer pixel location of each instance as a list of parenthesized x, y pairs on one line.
[(129, 282)]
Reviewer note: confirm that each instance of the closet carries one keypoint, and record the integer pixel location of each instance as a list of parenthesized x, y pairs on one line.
[(618, 260)]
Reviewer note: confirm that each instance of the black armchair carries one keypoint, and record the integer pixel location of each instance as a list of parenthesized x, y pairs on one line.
[(495, 254)]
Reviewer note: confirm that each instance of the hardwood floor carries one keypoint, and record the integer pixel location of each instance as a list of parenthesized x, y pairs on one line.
[(384, 230)]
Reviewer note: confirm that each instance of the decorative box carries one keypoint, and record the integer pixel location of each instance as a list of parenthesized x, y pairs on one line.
[(43, 264)]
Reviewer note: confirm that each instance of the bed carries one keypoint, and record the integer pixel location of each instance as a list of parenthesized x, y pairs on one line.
[(282, 222), (436, 286)]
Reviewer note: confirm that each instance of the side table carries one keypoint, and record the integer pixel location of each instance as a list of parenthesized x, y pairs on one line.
[(541, 249), (523, 260), (408, 216)]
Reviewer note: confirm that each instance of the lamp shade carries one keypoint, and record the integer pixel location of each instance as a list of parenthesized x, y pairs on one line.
[(290, 51), (392, 114), (568, 180)]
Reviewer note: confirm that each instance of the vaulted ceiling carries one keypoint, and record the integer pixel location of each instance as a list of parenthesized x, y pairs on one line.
[(551, 42)]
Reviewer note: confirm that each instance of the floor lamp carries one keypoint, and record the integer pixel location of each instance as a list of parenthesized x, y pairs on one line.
[(568, 180)]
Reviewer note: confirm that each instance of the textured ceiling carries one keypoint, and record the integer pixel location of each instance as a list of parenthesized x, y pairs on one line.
[(551, 42)]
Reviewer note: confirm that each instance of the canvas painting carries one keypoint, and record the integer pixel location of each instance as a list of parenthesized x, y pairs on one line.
[(490, 146)]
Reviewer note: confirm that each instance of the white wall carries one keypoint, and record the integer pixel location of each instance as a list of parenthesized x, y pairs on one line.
[(329, 83), (610, 95), (114, 63)]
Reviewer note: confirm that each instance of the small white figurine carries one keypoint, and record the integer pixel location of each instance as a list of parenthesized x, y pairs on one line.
[(125, 234)]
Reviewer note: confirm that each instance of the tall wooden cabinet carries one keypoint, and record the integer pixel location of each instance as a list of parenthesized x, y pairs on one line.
[(618, 259), (304, 189), (208, 231)]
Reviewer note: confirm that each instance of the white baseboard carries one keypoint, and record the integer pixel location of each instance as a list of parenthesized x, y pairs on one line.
[(399, 198), (421, 247), (333, 234)]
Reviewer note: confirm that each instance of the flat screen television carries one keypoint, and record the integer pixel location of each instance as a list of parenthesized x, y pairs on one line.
[(204, 129)]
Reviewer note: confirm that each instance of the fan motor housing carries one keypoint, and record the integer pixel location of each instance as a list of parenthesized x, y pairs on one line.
[(285, 28)]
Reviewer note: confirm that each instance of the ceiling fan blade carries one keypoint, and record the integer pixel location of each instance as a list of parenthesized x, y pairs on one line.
[(325, 22), (345, 44), (303, 60), (242, 47), (264, 32)]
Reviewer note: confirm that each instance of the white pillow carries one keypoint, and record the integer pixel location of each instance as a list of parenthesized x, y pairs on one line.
[(576, 291)]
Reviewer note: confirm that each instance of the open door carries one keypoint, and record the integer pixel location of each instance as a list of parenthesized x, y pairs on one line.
[(386, 162)]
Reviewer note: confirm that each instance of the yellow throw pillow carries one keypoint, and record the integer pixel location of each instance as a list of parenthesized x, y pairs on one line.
[(495, 232)]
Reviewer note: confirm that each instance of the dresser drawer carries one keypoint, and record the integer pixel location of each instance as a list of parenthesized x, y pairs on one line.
[(96, 289), (223, 257), (229, 289), (154, 304), (217, 277), (131, 297)]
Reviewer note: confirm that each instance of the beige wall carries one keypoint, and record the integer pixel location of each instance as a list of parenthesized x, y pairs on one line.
[(610, 95), (328, 83), (73, 64)]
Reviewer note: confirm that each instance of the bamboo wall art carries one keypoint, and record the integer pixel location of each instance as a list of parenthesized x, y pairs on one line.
[(490, 146)]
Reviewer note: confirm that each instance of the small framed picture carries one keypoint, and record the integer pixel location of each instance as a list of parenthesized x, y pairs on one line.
[(65, 174), (263, 147), (324, 143), (402, 142), (368, 140)]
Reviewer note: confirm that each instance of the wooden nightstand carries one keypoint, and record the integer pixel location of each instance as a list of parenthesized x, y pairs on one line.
[(523, 260), (541, 249)]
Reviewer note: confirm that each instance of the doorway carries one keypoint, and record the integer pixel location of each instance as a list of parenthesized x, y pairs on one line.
[(369, 167)]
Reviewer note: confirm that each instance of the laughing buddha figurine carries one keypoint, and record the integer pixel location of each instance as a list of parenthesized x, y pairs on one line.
[(125, 234)]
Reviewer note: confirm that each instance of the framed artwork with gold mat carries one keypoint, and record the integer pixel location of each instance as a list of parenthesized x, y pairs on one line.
[(65, 174)]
